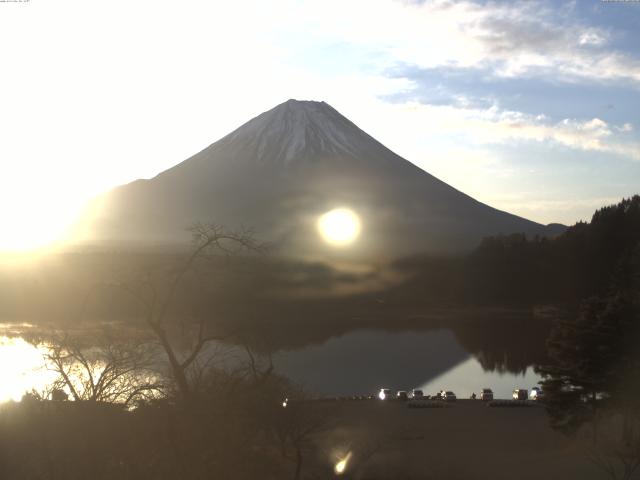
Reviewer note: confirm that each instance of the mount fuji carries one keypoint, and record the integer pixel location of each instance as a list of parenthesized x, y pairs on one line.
[(280, 171)]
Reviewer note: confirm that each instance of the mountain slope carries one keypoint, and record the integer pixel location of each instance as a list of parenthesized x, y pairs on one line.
[(281, 170)]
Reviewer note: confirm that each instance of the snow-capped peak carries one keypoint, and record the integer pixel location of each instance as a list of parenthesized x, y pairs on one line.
[(300, 129)]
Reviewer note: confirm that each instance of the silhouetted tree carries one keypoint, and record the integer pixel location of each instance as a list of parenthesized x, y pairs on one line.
[(577, 264), (105, 366), (588, 354), (296, 424), (594, 374), (208, 240)]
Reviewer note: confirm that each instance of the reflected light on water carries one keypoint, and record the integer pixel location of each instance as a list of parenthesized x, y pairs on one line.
[(341, 466), (339, 227), (21, 369), (469, 376)]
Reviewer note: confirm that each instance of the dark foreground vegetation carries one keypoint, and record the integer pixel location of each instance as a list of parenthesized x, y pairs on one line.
[(593, 376), (246, 437), (232, 428)]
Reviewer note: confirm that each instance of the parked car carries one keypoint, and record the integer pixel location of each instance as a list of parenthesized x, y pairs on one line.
[(402, 395), (536, 394), (416, 394), (520, 394), (486, 394), (437, 396), (385, 394), (448, 396)]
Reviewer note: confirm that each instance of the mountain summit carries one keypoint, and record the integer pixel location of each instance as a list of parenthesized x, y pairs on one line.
[(298, 130), (279, 172)]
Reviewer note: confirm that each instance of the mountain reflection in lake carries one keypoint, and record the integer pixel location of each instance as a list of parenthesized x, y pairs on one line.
[(464, 356), (363, 361)]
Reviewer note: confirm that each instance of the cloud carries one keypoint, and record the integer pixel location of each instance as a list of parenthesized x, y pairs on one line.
[(520, 42), (495, 126), (589, 135), (592, 38), (520, 39)]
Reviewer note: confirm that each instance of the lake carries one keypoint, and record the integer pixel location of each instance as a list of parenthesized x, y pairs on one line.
[(363, 361), (358, 362)]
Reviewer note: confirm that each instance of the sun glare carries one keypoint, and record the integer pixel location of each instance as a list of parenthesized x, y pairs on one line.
[(22, 369), (339, 227), (341, 466), (32, 224)]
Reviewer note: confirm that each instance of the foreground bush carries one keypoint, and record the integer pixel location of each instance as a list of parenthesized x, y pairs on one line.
[(237, 431)]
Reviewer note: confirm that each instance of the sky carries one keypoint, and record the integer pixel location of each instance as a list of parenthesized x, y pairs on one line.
[(531, 107)]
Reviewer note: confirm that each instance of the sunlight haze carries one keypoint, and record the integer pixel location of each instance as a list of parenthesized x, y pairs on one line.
[(99, 94), (313, 239)]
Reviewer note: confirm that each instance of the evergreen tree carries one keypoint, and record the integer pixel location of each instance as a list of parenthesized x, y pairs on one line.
[(596, 356), (592, 360)]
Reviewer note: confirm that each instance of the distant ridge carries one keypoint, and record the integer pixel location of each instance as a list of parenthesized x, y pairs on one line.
[(280, 170)]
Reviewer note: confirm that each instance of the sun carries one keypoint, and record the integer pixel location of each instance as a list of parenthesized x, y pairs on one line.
[(32, 222), (339, 227)]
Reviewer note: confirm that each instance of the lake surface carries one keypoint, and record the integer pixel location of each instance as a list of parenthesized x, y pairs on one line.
[(21, 369), (363, 361), (359, 362)]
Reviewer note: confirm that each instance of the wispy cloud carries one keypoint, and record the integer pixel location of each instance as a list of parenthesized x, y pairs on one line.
[(496, 126), (532, 38)]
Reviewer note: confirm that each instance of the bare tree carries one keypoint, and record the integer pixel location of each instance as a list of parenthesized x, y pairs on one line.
[(296, 424), (107, 366), (208, 240)]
